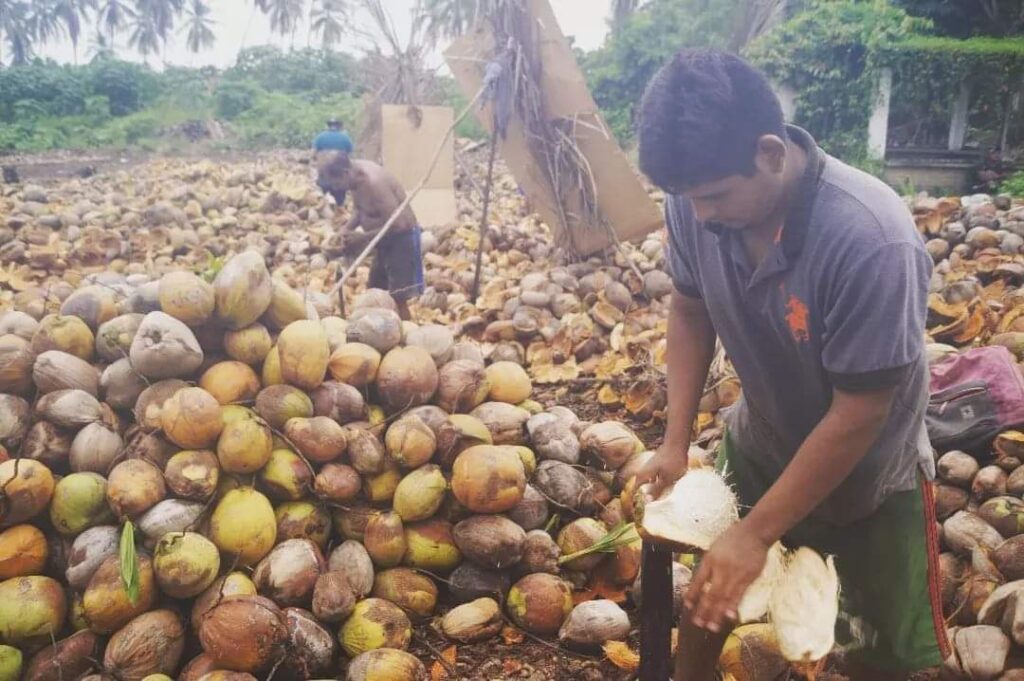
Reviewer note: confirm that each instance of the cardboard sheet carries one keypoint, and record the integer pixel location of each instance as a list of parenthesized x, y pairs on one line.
[(410, 135), (621, 196)]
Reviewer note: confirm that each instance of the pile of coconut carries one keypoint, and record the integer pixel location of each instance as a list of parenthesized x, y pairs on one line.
[(198, 475)]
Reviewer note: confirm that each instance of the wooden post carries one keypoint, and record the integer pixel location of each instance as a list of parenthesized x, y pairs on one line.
[(958, 124), (878, 125), (656, 615)]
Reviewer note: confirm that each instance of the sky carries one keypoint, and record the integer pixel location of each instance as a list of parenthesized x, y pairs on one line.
[(238, 26)]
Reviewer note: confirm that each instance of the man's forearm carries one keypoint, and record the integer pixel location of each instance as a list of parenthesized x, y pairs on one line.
[(826, 458), (690, 348)]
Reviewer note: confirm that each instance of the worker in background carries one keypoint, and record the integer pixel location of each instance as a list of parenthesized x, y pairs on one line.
[(334, 140), (376, 194), (814, 278)]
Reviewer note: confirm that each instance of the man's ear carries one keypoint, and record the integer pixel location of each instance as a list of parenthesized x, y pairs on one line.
[(771, 154)]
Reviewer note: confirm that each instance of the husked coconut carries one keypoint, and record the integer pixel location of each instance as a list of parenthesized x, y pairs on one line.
[(380, 329), (957, 468), (289, 572), (56, 370), (385, 663), (591, 623), (506, 422), (754, 604), (407, 377), (435, 339), (965, 530), (804, 606), (693, 513), (462, 386), (352, 558), (491, 541), (553, 439), (475, 621)]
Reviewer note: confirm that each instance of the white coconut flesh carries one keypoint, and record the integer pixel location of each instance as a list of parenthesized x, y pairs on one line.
[(754, 604), (804, 606), (694, 512)]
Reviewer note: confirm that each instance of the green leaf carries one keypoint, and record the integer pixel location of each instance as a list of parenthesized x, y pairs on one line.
[(129, 562)]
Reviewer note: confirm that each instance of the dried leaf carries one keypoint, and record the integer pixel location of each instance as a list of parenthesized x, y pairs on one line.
[(555, 373), (438, 671), (512, 636), (622, 656), (607, 396)]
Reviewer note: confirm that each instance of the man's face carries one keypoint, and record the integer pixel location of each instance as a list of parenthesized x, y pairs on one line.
[(738, 201)]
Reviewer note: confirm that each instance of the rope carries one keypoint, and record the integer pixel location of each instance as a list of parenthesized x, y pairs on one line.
[(483, 218)]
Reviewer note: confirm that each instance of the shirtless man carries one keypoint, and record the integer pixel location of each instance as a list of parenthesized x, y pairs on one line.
[(398, 262)]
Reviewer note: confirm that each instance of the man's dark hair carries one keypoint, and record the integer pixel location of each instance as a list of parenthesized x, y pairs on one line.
[(701, 117), (333, 166), (334, 123)]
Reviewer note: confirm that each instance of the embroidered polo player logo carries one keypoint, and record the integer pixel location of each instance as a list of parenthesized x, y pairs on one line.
[(797, 319)]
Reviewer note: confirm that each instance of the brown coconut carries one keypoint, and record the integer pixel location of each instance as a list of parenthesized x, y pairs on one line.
[(462, 386), (192, 419), (311, 648), (285, 477), (185, 296), (164, 347), (611, 442), (491, 541), (244, 633), (366, 452), (89, 550), (232, 584), (16, 364), (193, 474), (289, 572), (412, 591), (249, 345), (488, 479), (303, 352), (469, 581), (134, 487), (69, 408), (170, 515), (989, 482), (539, 603), (578, 535), (472, 622), (355, 364), (339, 402), (149, 406), (242, 290), (201, 666), (152, 643), (92, 304), (957, 468), (379, 328), (337, 483), (505, 422), (1008, 557), (591, 623), (407, 377), (949, 500), (564, 485), (540, 553), (375, 623), (319, 439), (231, 382), (47, 444), (279, 403), (95, 449), (350, 521), (303, 520), (384, 539), (965, 530), (55, 370), (333, 597), (351, 558), (552, 438), (69, 658), (106, 605), (458, 433), (18, 323)]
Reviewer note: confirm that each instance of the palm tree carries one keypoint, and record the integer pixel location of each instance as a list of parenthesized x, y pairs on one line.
[(99, 47), (16, 27), (447, 19), (328, 18), (44, 23), (198, 26), (284, 15), (622, 10), (145, 36), (113, 16), (72, 13)]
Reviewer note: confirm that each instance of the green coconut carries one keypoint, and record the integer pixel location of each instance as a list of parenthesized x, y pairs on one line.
[(32, 611), (420, 493), (80, 502), (185, 564), (243, 525), (10, 663), (430, 546)]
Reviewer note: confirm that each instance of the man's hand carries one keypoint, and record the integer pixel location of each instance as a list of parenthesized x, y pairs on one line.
[(734, 561), (667, 465)]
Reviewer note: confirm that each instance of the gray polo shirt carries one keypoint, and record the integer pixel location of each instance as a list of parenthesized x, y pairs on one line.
[(839, 301)]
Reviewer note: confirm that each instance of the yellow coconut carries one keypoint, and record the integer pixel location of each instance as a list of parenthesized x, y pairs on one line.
[(93, 304), (429, 545), (410, 442), (193, 474), (23, 551), (380, 488), (243, 525), (407, 377), (320, 439), (385, 664), (185, 564), (187, 297), (28, 487), (242, 290), (286, 305), (508, 382), (303, 352), (244, 445), (271, 373), (250, 344), (231, 382), (68, 334), (286, 476), (191, 418), (751, 652), (384, 539), (578, 535), (10, 663), (355, 364), (106, 603), (375, 623), (488, 479), (277, 404), (420, 493), (32, 610), (79, 502)]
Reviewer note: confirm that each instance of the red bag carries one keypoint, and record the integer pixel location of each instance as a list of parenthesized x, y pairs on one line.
[(975, 395)]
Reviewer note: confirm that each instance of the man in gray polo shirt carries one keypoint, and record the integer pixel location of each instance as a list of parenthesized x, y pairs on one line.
[(813, 276)]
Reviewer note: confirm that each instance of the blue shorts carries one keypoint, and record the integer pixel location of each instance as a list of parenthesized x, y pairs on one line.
[(398, 265)]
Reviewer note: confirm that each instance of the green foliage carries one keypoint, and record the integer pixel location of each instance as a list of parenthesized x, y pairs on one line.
[(313, 73), (618, 72), (829, 54), (963, 18), (278, 120), (1013, 185), (236, 97), (125, 85)]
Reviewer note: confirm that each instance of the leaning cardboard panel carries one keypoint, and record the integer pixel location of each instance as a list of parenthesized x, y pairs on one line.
[(410, 135), (621, 196)]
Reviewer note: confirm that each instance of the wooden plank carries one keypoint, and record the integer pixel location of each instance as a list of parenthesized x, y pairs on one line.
[(409, 138), (656, 617)]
